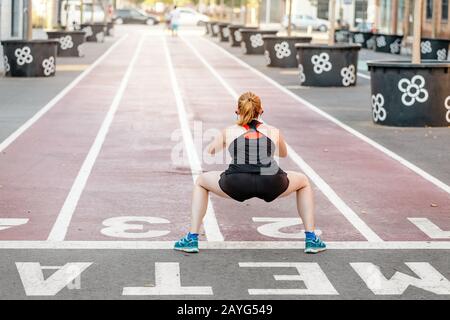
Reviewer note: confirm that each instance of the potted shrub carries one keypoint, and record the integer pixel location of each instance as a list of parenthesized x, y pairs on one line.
[(411, 93), (331, 64)]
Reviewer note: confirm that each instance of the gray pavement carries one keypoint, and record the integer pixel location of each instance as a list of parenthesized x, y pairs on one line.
[(352, 106), (110, 271)]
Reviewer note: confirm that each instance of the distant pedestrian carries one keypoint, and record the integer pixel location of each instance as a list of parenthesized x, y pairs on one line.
[(174, 20)]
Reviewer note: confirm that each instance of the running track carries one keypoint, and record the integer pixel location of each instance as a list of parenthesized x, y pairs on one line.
[(103, 163)]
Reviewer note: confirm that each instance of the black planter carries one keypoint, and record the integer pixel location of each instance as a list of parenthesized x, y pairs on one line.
[(328, 66), (94, 32), (214, 29), (281, 52), (235, 37), (69, 42), (342, 36), (35, 58), (406, 94), (207, 28), (365, 39), (224, 32), (435, 49), (252, 40), (110, 29), (389, 43)]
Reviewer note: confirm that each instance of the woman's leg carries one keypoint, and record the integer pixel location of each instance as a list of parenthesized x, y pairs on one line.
[(205, 182), (299, 184)]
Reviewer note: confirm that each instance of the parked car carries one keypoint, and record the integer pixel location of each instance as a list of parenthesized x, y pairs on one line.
[(135, 16), (189, 16), (71, 11), (302, 21)]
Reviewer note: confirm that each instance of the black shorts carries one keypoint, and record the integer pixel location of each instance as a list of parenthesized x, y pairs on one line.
[(243, 186)]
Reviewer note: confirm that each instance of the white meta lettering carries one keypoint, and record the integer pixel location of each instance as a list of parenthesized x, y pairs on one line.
[(31, 274), (6, 223), (167, 282), (429, 228), (274, 225), (429, 279), (311, 274), (127, 227)]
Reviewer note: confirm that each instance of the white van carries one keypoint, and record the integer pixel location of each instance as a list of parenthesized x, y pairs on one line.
[(70, 11)]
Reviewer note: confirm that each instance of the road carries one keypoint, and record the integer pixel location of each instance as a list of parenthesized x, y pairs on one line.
[(95, 187)]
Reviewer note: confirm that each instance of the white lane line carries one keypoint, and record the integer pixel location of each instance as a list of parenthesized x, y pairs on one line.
[(327, 116), (210, 223), (225, 245), (5, 144), (347, 212), (59, 230)]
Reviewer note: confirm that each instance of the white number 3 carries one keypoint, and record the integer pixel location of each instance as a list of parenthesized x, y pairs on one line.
[(274, 225), (129, 227)]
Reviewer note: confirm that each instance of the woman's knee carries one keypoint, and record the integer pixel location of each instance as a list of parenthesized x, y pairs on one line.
[(302, 180), (200, 181)]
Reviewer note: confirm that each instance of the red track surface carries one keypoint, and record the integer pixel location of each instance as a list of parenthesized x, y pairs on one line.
[(134, 175)]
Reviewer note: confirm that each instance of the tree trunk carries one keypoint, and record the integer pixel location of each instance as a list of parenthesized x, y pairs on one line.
[(418, 4)]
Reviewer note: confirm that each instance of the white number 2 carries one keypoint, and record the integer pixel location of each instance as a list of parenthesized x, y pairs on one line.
[(274, 225)]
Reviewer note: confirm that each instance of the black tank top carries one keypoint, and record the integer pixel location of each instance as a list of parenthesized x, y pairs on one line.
[(252, 152)]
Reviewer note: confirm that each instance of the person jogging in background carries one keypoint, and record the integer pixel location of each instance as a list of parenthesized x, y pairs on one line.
[(174, 20), (253, 172)]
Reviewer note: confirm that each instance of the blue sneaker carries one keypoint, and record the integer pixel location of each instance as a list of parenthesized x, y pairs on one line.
[(315, 245), (187, 245)]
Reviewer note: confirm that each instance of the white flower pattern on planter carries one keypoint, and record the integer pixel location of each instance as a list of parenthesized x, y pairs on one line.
[(340, 36), (267, 56), (371, 43), (425, 47), (396, 46), (243, 47), (447, 106), (379, 113), (256, 40), (66, 42), (282, 50), (301, 73), (237, 36), (6, 64), (359, 38), (88, 31), (441, 54), (23, 55), (49, 66), (348, 75), (100, 36), (413, 90), (226, 32), (216, 28), (321, 62), (381, 41)]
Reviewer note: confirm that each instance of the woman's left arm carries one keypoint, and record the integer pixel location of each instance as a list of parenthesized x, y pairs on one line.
[(218, 143)]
